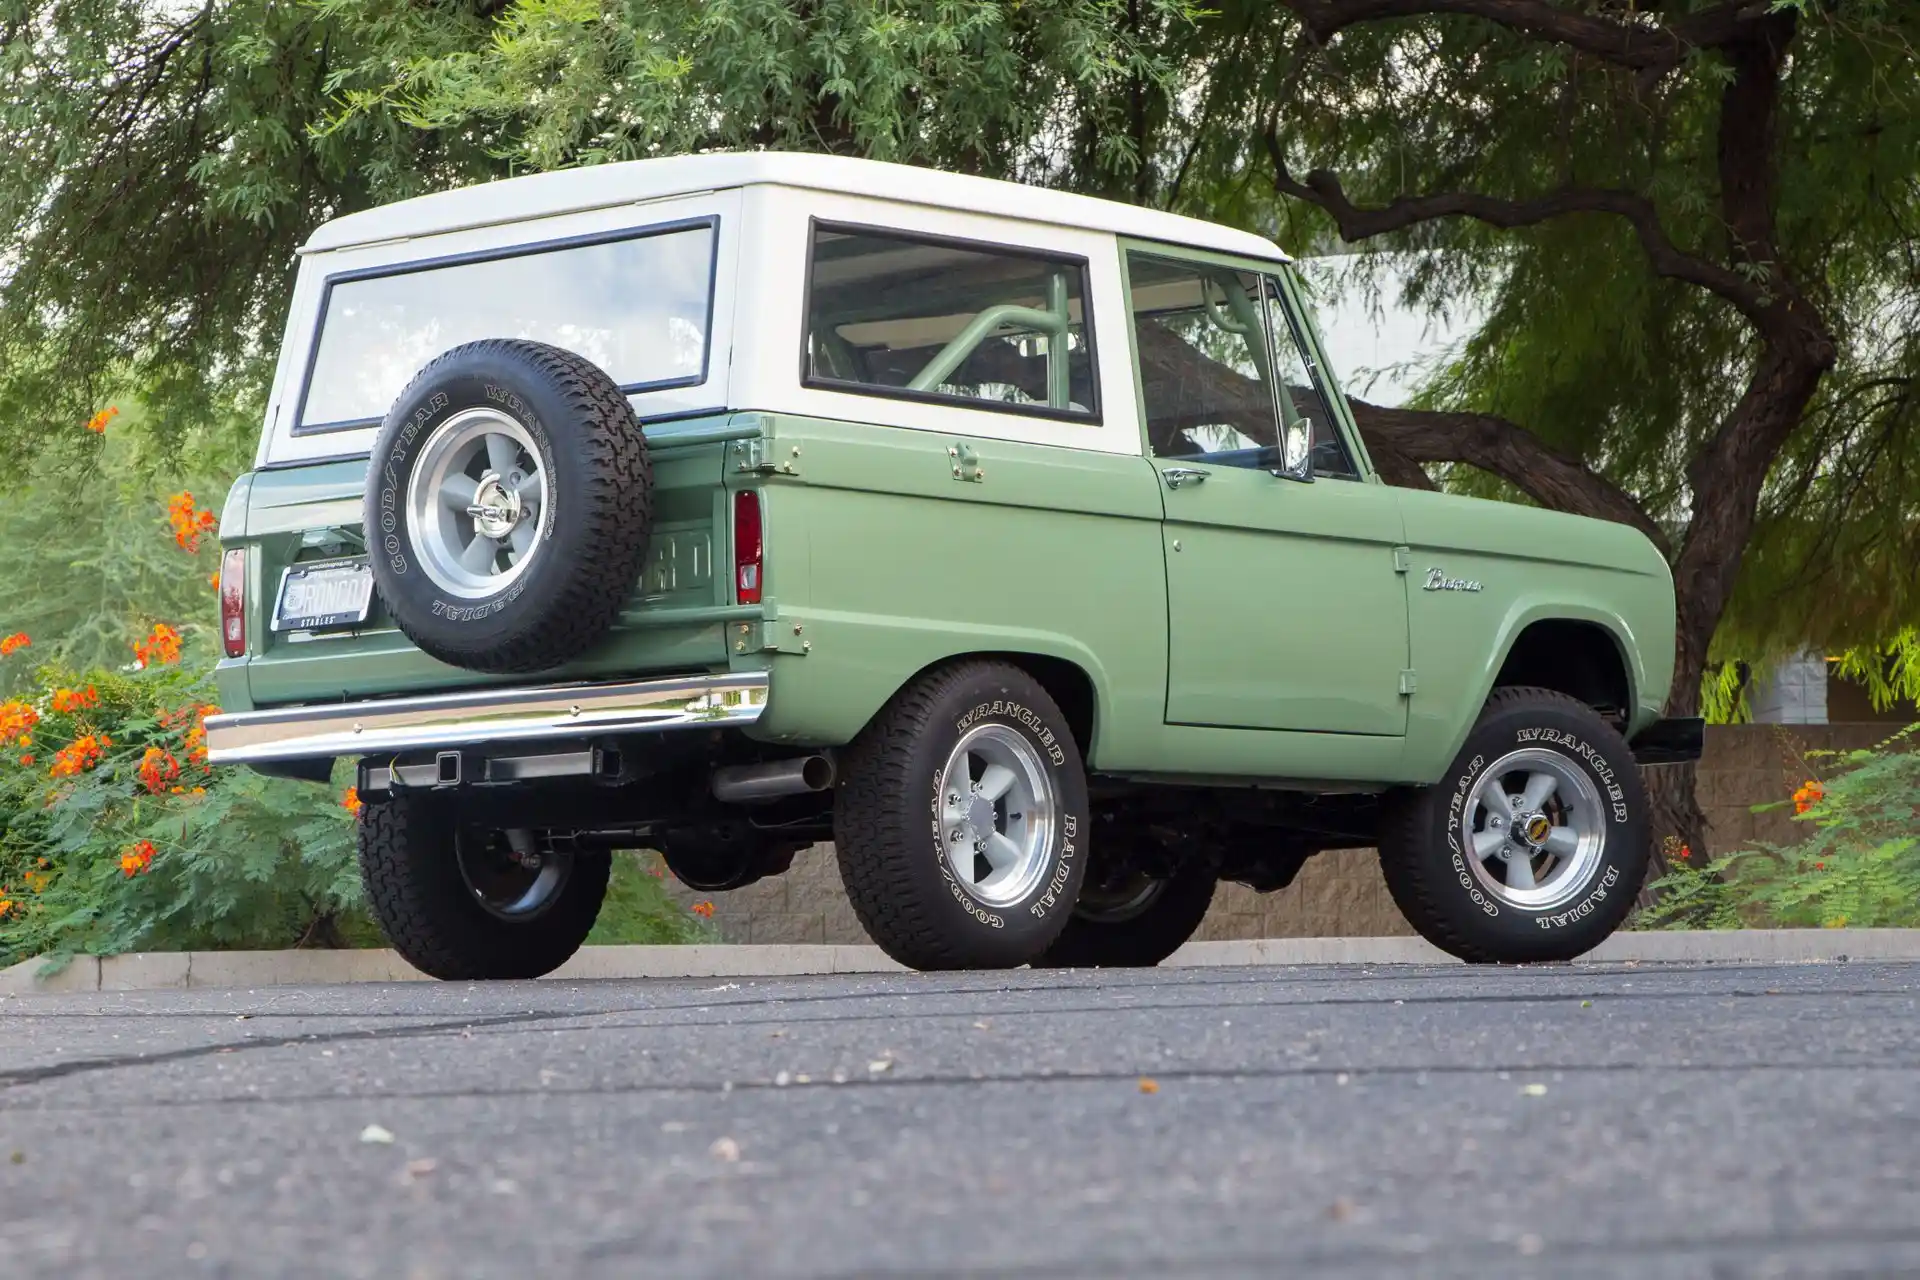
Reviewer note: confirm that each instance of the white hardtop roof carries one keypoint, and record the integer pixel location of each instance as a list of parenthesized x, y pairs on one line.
[(608, 185)]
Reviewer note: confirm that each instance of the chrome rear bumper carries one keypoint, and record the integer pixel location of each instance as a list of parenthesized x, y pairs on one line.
[(485, 715)]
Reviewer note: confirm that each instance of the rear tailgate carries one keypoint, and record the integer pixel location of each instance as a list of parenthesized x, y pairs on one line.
[(675, 620)]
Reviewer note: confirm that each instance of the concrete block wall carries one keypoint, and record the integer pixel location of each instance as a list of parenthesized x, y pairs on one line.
[(1338, 894)]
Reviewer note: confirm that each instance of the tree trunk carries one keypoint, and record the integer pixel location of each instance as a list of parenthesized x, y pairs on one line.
[(1676, 823)]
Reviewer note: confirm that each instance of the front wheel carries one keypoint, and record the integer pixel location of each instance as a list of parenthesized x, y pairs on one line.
[(465, 902), (1533, 846)]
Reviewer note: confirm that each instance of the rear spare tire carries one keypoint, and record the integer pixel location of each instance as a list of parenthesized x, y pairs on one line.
[(508, 506)]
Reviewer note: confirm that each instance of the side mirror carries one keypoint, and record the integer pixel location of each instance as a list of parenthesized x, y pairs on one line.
[(1296, 451)]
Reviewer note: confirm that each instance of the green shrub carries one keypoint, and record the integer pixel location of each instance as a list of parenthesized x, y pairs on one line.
[(118, 837), (1858, 865)]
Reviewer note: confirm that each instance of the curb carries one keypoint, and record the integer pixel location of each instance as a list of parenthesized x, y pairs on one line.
[(172, 970)]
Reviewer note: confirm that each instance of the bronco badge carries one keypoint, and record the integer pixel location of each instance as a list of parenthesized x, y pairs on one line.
[(1439, 581)]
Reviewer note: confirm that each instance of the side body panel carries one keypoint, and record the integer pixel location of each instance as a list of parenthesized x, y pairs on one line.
[(884, 561)]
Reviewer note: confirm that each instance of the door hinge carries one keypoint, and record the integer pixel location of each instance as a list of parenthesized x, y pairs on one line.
[(1403, 559), (761, 457), (966, 464), (1407, 684)]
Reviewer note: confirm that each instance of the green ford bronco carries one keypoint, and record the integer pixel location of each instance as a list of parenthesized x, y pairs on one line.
[(1020, 544)]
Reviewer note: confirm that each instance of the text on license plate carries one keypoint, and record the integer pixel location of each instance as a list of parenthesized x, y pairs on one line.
[(333, 595)]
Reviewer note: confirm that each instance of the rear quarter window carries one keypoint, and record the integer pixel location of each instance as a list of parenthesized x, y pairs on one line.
[(929, 318)]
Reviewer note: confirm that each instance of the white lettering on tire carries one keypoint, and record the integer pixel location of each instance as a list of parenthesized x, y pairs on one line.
[(1031, 721)]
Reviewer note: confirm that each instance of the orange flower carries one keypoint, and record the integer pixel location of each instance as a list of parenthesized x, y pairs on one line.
[(162, 645), (351, 801), (137, 858), (703, 909), (80, 755), (1819, 866), (189, 523), (66, 700), (213, 579), (17, 720), (6, 907), (98, 422), (26, 759), (1808, 796), (158, 768), (196, 739), (12, 644)]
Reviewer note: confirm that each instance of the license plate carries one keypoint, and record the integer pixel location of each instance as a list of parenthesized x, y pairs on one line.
[(316, 597)]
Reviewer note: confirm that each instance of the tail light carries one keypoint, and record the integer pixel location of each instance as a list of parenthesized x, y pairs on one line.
[(233, 602), (746, 547)]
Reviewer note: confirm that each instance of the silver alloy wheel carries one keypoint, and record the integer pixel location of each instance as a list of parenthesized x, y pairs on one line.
[(477, 503), (514, 875), (1535, 828), (997, 814)]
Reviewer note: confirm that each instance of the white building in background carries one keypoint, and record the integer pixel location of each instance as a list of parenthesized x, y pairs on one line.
[(1792, 691)]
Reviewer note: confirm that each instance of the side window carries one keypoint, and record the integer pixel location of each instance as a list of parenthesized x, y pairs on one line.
[(1205, 370), (1301, 400), (919, 318)]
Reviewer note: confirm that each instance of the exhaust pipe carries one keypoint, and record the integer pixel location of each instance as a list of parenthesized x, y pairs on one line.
[(753, 783)]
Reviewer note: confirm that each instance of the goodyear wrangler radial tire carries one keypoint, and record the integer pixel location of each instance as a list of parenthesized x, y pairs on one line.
[(961, 822), (508, 506), (417, 865), (1534, 844)]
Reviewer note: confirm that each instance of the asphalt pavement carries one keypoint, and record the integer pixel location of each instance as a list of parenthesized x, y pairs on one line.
[(1643, 1120)]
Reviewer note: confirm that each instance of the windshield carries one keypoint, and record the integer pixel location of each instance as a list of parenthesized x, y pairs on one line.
[(637, 305)]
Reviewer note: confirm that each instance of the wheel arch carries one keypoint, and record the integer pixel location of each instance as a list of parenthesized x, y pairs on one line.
[(826, 698), (1584, 652), (1067, 682), (1578, 657)]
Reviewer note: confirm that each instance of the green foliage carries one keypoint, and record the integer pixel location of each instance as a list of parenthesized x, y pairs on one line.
[(638, 910), (984, 86), (160, 171), (236, 860), (1859, 866), (92, 564)]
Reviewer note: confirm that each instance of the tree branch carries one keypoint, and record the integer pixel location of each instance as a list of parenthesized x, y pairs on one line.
[(1634, 44), (1323, 188), (1399, 439)]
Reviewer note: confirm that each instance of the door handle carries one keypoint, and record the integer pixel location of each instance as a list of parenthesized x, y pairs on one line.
[(1177, 476)]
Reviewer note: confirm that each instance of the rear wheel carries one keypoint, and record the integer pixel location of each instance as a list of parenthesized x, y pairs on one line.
[(960, 826), (1533, 846), (1132, 919), (465, 902)]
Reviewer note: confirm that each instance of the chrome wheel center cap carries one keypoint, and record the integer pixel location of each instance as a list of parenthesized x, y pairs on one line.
[(1533, 829), (495, 509), (980, 818)]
